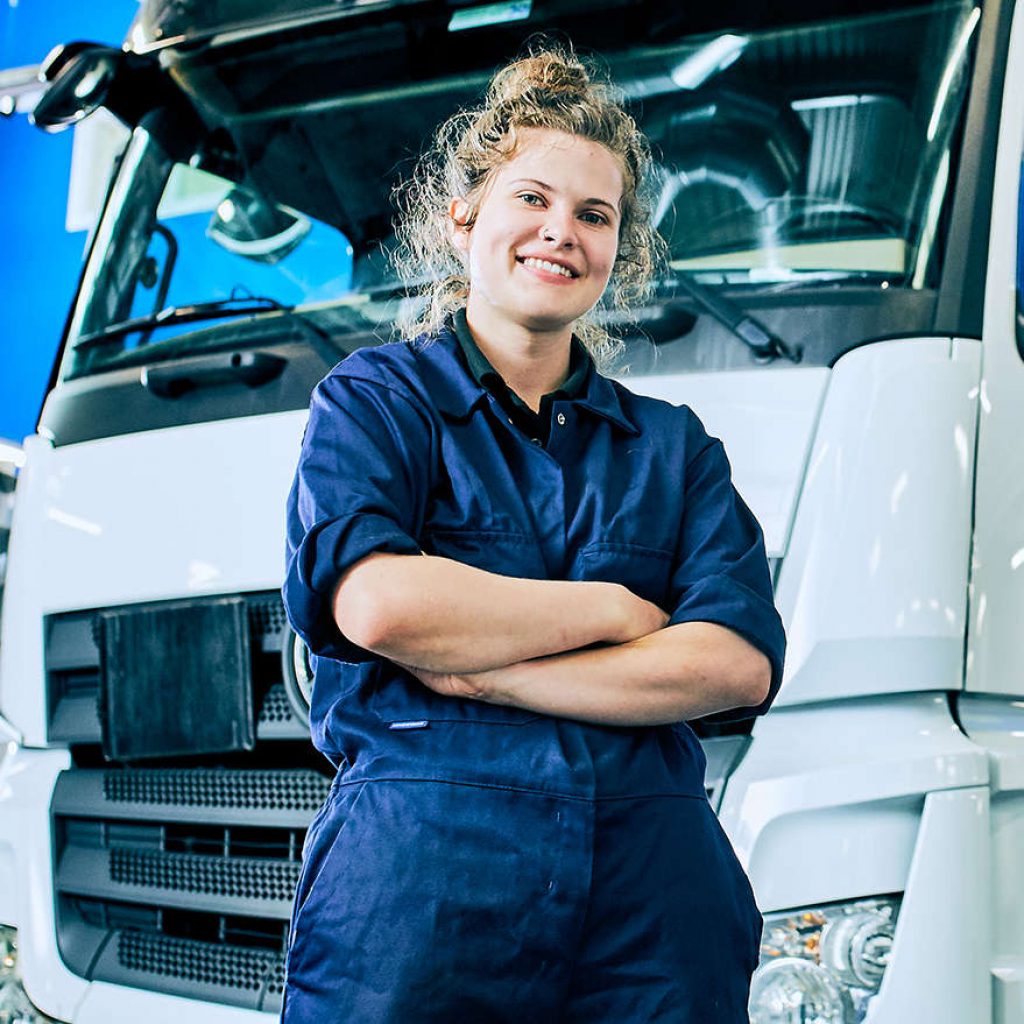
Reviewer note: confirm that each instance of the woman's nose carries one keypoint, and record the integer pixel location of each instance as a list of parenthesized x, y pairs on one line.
[(559, 228)]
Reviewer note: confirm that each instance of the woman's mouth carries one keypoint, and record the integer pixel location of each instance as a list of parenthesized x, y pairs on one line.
[(536, 263)]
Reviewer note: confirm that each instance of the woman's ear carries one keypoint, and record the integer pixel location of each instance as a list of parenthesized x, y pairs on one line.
[(459, 216)]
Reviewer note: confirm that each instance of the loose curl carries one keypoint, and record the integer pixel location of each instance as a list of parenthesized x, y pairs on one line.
[(552, 88)]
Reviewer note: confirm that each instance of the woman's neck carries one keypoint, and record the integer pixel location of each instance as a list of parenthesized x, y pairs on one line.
[(532, 363)]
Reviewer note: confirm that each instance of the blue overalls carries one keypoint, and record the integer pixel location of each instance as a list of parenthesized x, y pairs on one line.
[(479, 864)]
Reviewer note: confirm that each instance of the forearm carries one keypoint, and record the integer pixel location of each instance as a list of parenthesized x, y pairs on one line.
[(675, 674), (444, 616)]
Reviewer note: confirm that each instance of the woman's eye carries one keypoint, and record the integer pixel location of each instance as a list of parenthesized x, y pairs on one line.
[(531, 198), (595, 218)]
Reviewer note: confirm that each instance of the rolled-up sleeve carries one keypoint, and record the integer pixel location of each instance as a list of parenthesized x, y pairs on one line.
[(721, 572), (360, 487)]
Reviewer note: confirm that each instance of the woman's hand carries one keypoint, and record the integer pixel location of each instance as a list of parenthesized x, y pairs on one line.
[(450, 684)]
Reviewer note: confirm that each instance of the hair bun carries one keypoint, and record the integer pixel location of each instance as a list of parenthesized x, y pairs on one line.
[(551, 75)]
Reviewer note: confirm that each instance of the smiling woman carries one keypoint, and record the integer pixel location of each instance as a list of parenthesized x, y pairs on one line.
[(519, 581), (551, 100), (539, 253)]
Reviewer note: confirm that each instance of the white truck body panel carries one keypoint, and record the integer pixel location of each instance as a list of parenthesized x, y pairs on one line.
[(996, 616), (26, 784), (868, 607)]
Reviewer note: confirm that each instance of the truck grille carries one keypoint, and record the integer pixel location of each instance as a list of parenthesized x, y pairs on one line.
[(181, 880), (177, 876)]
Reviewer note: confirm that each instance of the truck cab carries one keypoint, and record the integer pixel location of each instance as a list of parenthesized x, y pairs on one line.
[(840, 192)]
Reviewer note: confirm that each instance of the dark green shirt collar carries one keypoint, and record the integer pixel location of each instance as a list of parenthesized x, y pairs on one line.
[(487, 377)]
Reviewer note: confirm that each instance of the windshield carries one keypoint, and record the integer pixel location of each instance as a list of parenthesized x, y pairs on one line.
[(820, 152)]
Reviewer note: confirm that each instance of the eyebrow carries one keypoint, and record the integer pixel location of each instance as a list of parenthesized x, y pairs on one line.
[(593, 201)]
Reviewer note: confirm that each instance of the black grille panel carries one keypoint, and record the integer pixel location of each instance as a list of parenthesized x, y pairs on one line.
[(194, 968), (209, 788), (197, 963), (181, 880), (276, 707), (266, 613), (202, 874)]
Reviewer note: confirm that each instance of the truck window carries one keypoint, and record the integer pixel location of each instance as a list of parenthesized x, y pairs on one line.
[(815, 156)]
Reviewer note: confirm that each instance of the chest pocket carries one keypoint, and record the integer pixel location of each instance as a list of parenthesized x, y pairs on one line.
[(647, 572), (500, 551), (406, 699)]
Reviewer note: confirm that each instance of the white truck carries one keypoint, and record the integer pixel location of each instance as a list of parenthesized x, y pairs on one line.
[(842, 195)]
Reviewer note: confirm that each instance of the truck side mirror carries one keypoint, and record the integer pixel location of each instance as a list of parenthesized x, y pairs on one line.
[(249, 226), (80, 77)]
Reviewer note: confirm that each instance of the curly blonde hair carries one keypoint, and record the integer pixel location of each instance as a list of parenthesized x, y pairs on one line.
[(553, 88)]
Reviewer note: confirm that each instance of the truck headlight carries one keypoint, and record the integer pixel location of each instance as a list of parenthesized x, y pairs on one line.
[(823, 965), (15, 1007)]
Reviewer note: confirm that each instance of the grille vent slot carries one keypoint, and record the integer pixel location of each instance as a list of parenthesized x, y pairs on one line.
[(194, 963), (214, 788), (204, 874)]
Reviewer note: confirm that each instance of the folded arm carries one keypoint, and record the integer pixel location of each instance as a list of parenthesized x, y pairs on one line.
[(675, 674), (444, 616)]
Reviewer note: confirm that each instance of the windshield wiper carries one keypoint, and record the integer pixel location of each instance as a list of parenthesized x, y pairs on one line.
[(326, 346), (217, 310), (765, 345)]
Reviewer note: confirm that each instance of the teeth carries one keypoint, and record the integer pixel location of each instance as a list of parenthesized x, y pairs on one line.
[(552, 268)]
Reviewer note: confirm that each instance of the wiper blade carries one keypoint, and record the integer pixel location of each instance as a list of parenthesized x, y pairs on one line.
[(220, 309), (765, 345)]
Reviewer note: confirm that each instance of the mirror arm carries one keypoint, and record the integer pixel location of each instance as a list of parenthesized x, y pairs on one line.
[(165, 276)]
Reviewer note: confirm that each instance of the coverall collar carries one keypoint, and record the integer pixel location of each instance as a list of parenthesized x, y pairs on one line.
[(456, 393)]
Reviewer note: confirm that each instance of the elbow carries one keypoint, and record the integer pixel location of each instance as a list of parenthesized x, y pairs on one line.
[(364, 623), (363, 609), (756, 683)]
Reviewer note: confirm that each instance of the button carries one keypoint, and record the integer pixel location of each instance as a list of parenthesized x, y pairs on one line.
[(537, 441), (561, 419)]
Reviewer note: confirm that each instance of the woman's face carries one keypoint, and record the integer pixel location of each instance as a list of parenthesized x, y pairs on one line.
[(543, 245)]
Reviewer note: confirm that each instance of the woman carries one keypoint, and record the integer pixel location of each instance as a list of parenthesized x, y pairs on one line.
[(517, 579)]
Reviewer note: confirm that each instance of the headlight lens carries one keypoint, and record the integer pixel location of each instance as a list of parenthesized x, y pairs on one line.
[(15, 1007), (823, 965)]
